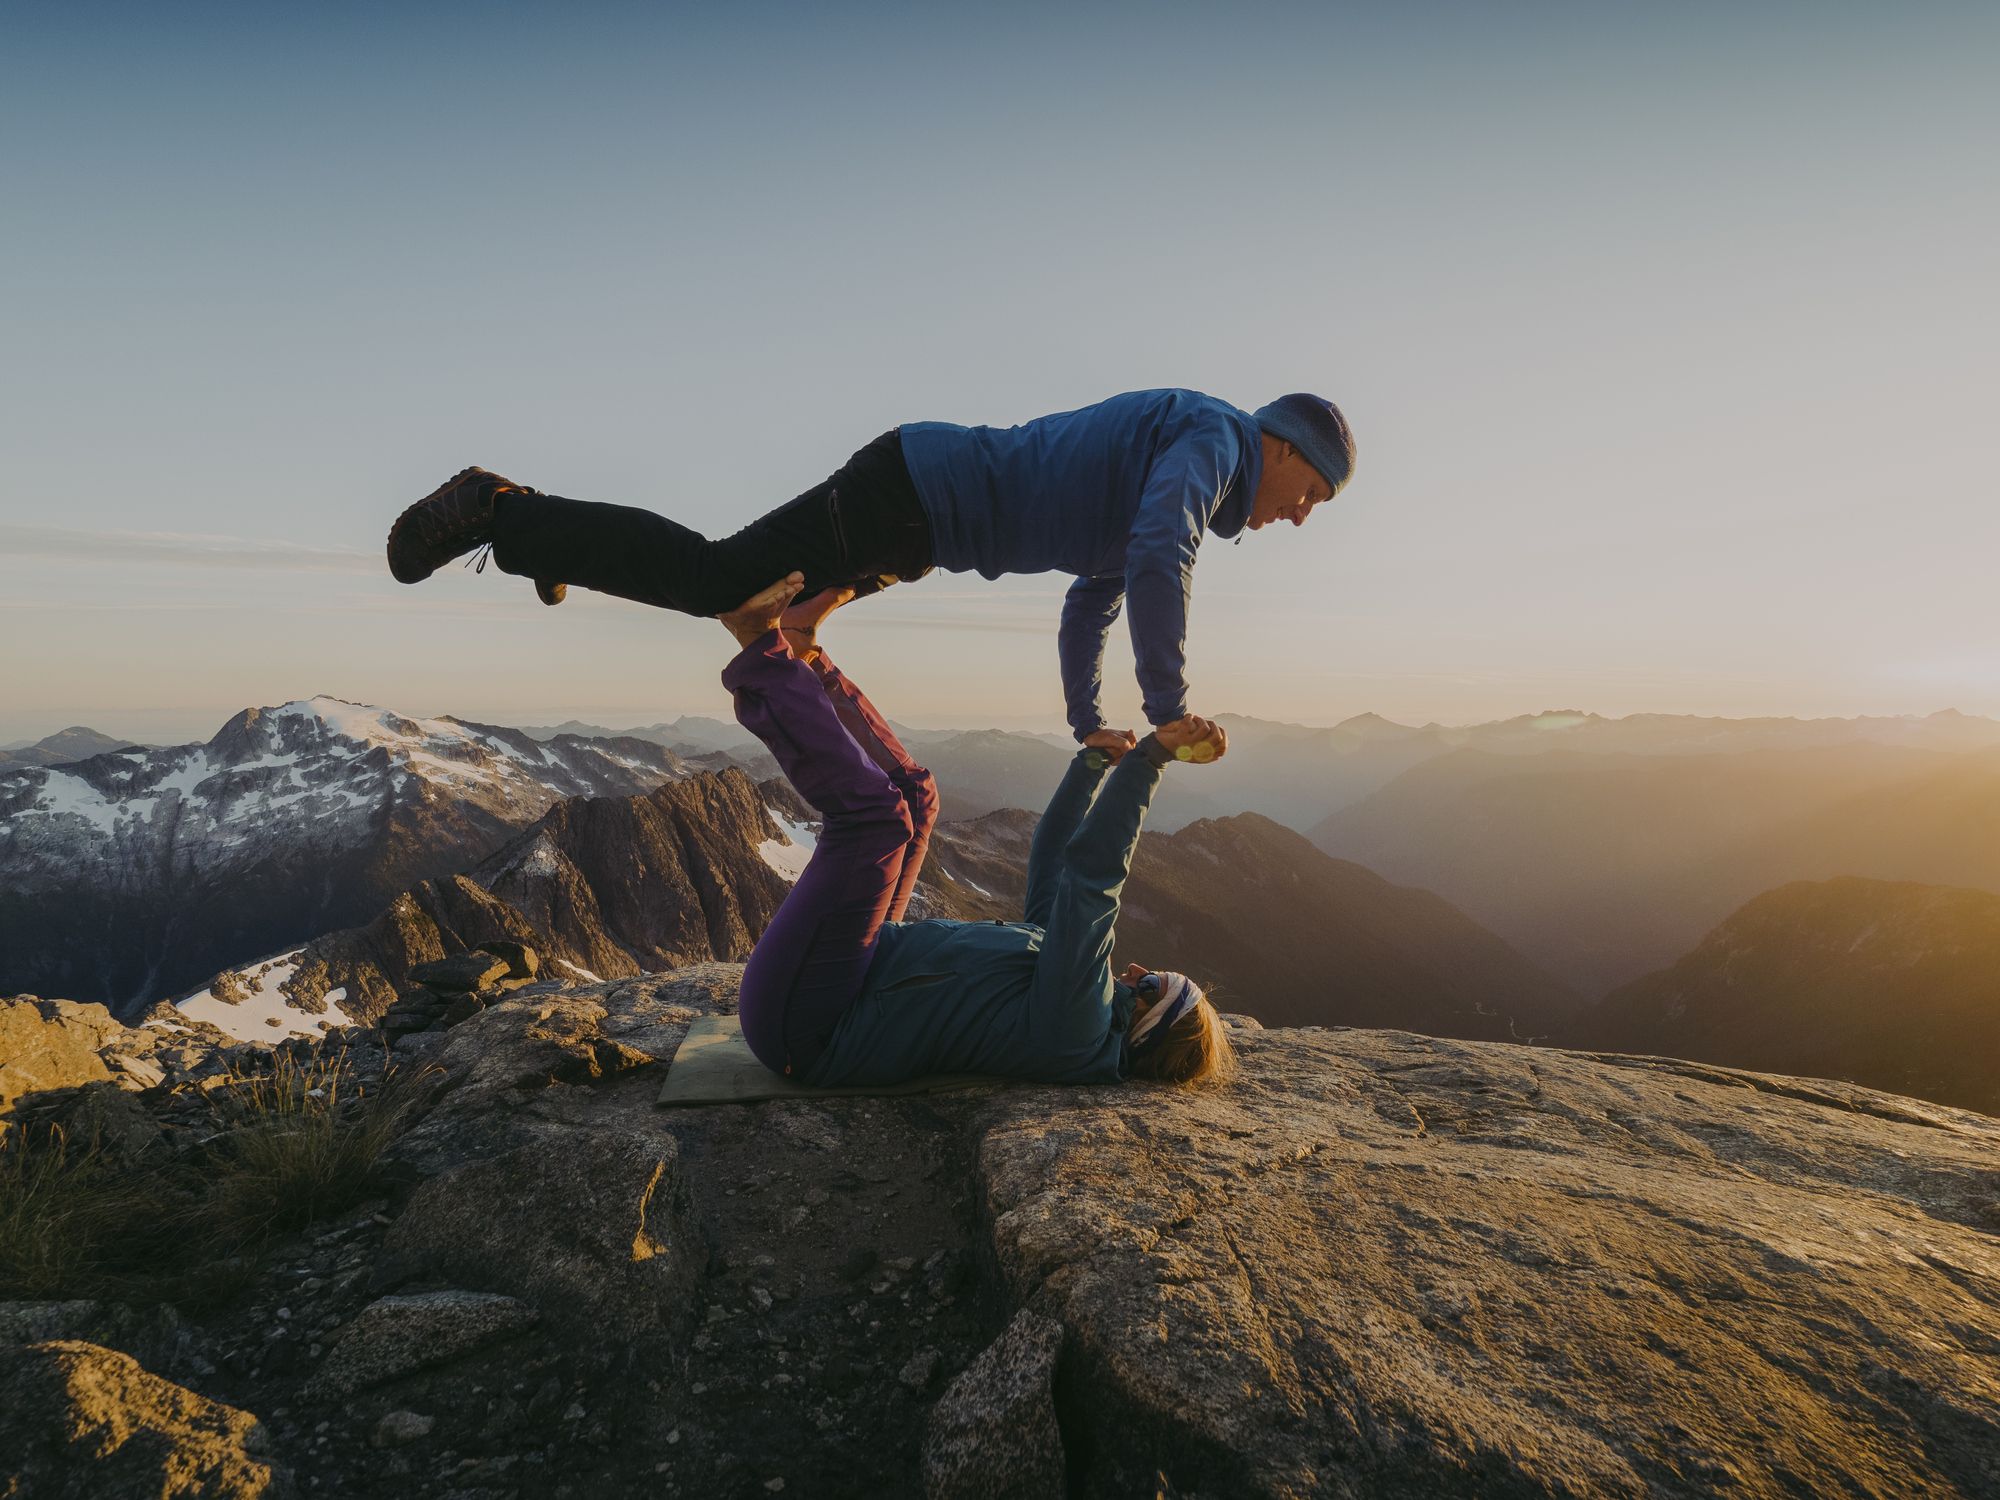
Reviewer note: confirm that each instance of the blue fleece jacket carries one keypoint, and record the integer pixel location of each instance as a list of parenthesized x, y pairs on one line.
[(1030, 999), (1120, 495)]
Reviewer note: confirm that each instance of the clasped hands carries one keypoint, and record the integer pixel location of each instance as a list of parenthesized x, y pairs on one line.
[(1203, 739)]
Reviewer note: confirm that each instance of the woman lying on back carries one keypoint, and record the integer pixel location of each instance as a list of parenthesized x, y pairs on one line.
[(841, 990)]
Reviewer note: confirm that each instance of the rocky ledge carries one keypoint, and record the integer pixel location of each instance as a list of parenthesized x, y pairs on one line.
[(1377, 1264)]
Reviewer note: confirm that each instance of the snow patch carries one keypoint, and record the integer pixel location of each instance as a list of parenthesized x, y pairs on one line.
[(250, 1020), (584, 974), (788, 859), (66, 794)]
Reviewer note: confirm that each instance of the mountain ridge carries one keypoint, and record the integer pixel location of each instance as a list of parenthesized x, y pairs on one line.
[(136, 873)]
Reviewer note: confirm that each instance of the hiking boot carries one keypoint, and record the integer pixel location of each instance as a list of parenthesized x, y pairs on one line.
[(550, 593), (448, 522)]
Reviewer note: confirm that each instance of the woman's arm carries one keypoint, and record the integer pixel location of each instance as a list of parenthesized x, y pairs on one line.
[(1073, 798)]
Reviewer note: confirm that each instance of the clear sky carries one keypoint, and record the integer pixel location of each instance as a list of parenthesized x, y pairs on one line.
[(1668, 334)]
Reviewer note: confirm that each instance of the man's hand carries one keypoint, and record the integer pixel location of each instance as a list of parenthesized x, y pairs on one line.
[(1113, 742), (1202, 739)]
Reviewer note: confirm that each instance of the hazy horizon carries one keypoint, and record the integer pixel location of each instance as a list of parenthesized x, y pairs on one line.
[(614, 719), (1667, 335)]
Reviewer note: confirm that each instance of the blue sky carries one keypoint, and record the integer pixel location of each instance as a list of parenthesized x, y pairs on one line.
[(1667, 333)]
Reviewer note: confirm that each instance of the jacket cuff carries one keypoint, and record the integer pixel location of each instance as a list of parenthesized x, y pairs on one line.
[(1156, 753)]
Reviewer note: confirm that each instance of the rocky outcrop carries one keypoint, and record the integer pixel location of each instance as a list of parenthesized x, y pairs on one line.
[(84, 1422), (1386, 1265), (629, 885), (601, 888), (1377, 1264), (591, 1225), (50, 1044), (994, 1434)]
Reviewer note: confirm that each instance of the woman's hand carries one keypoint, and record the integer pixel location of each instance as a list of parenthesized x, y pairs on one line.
[(1202, 739), (1113, 742)]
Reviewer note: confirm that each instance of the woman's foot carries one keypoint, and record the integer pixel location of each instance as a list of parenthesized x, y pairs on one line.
[(803, 617), (757, 616)]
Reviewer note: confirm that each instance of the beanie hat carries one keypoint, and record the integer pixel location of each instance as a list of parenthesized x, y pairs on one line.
[(1315, 427), (1174, 995)]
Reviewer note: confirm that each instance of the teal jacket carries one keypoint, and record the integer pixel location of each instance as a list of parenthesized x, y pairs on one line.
[(1030, 999)]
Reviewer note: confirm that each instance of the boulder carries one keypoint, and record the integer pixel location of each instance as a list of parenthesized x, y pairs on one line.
[(597, 1224), (38, 1322), (394, 1336), (460, 972), (531, 1043), (993, 1434), (85, 1422), (1381, 1264), (50, 1044), (109, 1117), (522, 962)]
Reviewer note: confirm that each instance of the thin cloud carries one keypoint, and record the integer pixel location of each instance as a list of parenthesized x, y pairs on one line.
[(181, 549)]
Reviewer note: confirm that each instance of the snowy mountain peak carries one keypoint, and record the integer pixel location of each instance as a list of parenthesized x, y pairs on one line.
[(346, 798)]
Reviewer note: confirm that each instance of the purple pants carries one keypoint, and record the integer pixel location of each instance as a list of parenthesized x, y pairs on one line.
[(877, 807)]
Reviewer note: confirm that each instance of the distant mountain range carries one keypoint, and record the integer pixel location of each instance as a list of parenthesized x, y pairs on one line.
[(71, 744), (1887, 983), (1597, 849), (1603, 867), (1276, 929), (607, 888), (140, 872), (1301, 775)]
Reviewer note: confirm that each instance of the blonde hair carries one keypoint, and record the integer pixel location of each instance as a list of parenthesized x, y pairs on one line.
[(1194, 1052)]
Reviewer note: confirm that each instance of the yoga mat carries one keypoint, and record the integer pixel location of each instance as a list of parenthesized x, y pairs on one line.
[(715, 1066)]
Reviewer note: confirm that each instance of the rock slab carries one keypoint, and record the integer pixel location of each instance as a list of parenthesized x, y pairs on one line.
[(595, 1224), (993, 1434), (394, 1336), (50, 1044), (1391, 1266), (84, 1422)]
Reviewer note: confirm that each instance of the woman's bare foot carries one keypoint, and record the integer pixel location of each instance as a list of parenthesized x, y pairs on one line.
[(757, 616), (803, 617)]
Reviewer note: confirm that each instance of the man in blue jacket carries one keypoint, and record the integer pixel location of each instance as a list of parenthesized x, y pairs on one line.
[(1119, 495)]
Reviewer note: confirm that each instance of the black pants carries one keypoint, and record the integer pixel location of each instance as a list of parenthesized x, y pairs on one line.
[(864, 526)]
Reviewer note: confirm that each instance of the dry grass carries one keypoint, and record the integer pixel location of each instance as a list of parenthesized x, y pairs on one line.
[(293, 1145), (300, 1143), (75, 1222)]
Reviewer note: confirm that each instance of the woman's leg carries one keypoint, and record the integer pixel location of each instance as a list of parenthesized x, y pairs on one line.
[(872, 733), (811, 961), (862, 525)]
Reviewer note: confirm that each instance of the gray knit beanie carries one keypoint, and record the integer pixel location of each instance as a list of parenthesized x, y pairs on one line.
[(1314, 426)]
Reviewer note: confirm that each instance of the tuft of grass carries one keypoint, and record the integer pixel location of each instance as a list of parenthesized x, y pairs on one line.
[(295, 1144), (75, 1222), (300, 1144)]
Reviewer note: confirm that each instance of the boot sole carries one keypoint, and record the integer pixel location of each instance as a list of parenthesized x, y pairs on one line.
[(407, 570)]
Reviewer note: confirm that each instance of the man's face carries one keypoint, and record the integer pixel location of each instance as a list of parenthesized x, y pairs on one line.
[(1289, 489)]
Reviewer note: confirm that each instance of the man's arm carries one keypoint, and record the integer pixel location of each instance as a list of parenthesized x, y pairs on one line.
[(1182, 489), (1089, 609)]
